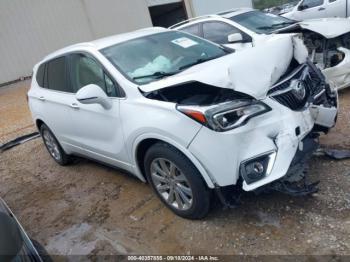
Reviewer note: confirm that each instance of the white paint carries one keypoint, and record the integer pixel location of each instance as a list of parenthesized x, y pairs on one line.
[(235, 70), (340, 74), (328, 27), (327, 9), (115, 134)]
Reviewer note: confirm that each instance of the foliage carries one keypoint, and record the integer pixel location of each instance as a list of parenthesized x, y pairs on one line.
[(261, 4)]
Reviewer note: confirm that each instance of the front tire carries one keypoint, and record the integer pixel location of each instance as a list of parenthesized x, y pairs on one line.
[(53, 147), (177, 182)]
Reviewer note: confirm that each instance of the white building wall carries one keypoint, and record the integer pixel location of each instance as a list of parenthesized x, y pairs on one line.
[(29, 30), (205, 7)]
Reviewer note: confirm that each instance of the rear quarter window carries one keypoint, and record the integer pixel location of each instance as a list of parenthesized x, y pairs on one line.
[(192, 29), (40, 75), (57, 75)]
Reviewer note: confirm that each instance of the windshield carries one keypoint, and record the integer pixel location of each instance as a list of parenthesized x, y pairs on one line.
[(262, 23), (152, 57)]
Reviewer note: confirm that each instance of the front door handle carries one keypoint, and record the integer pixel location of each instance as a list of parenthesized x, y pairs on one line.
[(321, 9), (74, 106), (41, 98)]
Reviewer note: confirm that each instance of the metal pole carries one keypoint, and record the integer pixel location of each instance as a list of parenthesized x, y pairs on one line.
[(346, 10)]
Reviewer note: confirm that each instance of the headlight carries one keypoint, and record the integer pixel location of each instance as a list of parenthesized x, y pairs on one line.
[(225, 116)]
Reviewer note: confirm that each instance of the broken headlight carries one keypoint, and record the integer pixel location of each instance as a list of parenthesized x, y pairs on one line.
[(225, 116)]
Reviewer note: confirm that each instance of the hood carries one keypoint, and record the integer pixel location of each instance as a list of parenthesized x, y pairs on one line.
[(327, 27), (252, 71)]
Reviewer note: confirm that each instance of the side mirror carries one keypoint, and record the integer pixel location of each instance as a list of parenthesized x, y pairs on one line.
[(302, 7), (235, 38), (93, 94)]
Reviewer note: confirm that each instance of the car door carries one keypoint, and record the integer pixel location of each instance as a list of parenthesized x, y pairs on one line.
[(336, 8), (53, 98), (219, 32), (97, 131), (309, 9)]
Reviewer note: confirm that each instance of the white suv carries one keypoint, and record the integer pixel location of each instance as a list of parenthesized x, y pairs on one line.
[(327, 40), (182, 113)]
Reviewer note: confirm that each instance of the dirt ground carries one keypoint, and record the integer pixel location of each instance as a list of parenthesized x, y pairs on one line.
[(87, 208)]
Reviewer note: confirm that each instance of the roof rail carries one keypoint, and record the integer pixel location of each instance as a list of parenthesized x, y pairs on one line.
[(191, 20), (233, 10)]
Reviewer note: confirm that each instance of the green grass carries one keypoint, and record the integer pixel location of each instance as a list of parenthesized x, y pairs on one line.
[(261, 4)]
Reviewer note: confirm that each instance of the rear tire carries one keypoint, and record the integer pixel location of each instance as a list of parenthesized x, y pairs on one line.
[(177, 182), (53, 146)]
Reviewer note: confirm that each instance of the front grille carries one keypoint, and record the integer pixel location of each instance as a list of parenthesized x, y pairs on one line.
[(299, 87)]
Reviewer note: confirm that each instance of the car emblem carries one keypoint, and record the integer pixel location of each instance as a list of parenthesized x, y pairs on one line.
[(298, 88)]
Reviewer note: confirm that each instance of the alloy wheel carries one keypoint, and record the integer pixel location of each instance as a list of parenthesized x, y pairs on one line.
[(52, 145), (171, 184)]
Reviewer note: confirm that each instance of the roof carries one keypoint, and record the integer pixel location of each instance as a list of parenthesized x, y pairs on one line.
[(234, 12), (198, 18), (107, 41), (225, 14)]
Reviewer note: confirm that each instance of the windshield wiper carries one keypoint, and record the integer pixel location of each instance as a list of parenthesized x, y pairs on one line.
[(157, 75), (275, 25), (197, 62)]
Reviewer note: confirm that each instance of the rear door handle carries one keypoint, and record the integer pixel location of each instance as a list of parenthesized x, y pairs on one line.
[(41, 98), (74, 106)]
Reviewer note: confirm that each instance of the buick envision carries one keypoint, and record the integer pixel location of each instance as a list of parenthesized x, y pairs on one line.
[(186, 115)]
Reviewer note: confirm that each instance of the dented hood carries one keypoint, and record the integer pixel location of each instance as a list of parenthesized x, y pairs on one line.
[(252, 71), (327, 27)]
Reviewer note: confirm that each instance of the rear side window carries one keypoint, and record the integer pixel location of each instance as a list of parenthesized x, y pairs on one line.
[(193, 29), (40, 75), (57, 75)]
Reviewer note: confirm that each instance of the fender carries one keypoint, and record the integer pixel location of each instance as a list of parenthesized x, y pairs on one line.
[(209, 181)]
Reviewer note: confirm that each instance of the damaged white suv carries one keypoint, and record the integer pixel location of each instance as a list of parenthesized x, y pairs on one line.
[(184, 114), (327, 40)]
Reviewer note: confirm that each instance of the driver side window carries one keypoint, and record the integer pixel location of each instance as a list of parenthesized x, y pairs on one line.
[(85, 71), (312, 3)]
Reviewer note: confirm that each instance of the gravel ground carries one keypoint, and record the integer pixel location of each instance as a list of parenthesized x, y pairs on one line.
[(90, 209)]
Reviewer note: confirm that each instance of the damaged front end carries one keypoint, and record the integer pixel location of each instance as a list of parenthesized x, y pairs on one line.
[(328, 44), (332, 56), (305, 88), (260, 121)]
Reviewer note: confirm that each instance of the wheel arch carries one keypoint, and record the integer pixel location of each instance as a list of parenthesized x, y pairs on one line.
[(142, 144), (39, 123)]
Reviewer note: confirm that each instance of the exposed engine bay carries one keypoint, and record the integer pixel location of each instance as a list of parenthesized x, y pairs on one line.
[(196, 93), (325, 52), (328, 47)]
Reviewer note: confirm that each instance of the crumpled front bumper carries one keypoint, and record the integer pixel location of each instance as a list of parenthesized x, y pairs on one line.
[(279, 132), (340, 74)]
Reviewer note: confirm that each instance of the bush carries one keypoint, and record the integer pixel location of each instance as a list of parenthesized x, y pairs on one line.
[(262, 4)]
